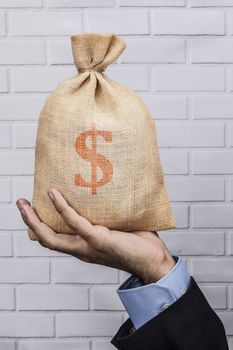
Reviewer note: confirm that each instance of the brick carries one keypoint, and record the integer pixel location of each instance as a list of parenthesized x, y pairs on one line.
[(5, 135), (54, 344), (23, 188), (231, 190), (118, 21), (11, 218), (77, 271), (212, 162), (208, 3), (6, 298), (166, 107), (105, 298), (25, 247), (212, 216), (227, 319), (174, 162), (180, 213), (17, 163), (87, 324), (22, 52), (25, 135), (125, 316), (211, 51), (5, 245), (190, 134), (231, 14), (99, 344), (216, 296), (54, 23), (154, 51), (2, 24), (194, 243), (25, 324), (192, 189), (80, 3), (127, 76), (230, 134), (231, 297), (188, 22), (60, 52), (20, 3), (152, 3), (21, 107), (212, 107), (230, 343), (212, 270), (40, 79), (231, 78), (3, 80), (7, 345), (21, 271), (230, 243), (188, 79), (5, 190), (52, 298)]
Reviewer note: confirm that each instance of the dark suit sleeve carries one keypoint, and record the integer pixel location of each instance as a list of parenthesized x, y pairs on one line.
[(188, 324)]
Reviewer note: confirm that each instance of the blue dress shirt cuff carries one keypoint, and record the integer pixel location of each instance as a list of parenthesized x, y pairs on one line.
[(143, 302)]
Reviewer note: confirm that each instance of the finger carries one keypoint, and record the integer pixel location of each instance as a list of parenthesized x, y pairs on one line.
[(22, 201), (31, 218), (69, 244), (76, 222), (44, 233)]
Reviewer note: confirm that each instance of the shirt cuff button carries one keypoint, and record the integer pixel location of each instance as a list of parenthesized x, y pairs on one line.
[(132, 330), (165, 306)]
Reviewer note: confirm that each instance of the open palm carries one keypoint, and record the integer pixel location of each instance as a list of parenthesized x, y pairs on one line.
[(140, 252)]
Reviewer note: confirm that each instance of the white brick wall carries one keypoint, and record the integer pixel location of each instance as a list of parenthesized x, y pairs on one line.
[(43, 23), (52, 298), (179, 59), (188, 79), (188, 22), (22, 52)]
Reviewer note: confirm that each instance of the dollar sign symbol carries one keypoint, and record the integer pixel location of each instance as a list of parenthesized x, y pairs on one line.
[(95, 158)]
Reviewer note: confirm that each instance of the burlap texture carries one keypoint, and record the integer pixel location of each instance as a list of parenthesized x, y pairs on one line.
[(96, 143)]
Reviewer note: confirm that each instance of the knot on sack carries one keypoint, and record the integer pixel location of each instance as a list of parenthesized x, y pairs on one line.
[(86, 69)]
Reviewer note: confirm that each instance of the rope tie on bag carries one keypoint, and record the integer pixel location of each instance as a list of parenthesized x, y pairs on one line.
[(86, 69)]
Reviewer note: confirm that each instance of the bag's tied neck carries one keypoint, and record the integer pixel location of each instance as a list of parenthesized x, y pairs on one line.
[(88, 69), (94, 51)]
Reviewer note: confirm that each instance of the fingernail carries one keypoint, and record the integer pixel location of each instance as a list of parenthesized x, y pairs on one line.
[(23, 212), (51, 195), (19, 203)]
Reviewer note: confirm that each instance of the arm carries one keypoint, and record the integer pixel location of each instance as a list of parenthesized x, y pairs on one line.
[(177, 314), (189, 323)]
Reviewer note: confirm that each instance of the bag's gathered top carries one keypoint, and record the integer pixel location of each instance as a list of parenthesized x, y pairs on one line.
[(94, 52)]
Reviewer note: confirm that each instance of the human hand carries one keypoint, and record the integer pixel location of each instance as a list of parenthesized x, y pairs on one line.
[(140, 252)]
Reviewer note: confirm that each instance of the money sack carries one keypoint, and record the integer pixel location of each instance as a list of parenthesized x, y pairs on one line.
[(96, 143)]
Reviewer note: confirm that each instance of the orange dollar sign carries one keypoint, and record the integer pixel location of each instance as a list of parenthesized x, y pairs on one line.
[(95, 158)]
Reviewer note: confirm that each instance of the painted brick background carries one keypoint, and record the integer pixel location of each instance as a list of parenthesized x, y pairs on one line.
[(179, 59)]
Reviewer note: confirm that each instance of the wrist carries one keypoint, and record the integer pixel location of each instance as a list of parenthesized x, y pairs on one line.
[(158, 267)]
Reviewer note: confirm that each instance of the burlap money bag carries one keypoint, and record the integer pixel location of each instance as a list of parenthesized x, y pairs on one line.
[(96, 143)]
